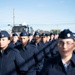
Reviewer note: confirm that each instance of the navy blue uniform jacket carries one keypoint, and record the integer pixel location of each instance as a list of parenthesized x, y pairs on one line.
[(30, 54), (55, 66), (11, 61)]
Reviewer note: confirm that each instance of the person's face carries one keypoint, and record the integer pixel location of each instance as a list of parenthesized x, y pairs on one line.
[(65, 47), (4, 42), (56, 37), (52, 37), (37, 39), (14, 38), (30, 38), (44, 39), (48, 38), (24, 39)]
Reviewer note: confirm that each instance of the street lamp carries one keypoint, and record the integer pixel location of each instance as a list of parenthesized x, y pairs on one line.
[(57, 28)]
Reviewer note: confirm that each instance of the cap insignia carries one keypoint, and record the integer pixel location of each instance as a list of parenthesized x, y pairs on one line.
[(68, 35)]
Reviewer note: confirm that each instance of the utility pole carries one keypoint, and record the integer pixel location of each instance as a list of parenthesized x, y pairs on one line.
[(13, 17), (57, 28)]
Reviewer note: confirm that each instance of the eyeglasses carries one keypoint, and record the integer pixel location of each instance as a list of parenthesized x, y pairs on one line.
[(67, 43)]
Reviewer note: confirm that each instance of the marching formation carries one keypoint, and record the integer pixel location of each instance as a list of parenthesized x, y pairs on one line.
[(37, 54)]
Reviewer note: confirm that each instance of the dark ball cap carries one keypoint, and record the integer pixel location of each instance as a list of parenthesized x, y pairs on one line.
[(65, 34), (30, 34), (14, 34), (4, 33), (37, 34), (44, 34), (51, 34), (74, 35), (24, 34)]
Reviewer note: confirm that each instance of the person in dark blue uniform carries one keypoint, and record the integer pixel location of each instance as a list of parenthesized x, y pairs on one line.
[(37, 43), (15, 39), (30, 37), (45, 46), (37, 38), (64, 63), (48, 37), (29, 52), (56, 36), (11, 62), (54, 48), (51, 36)]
